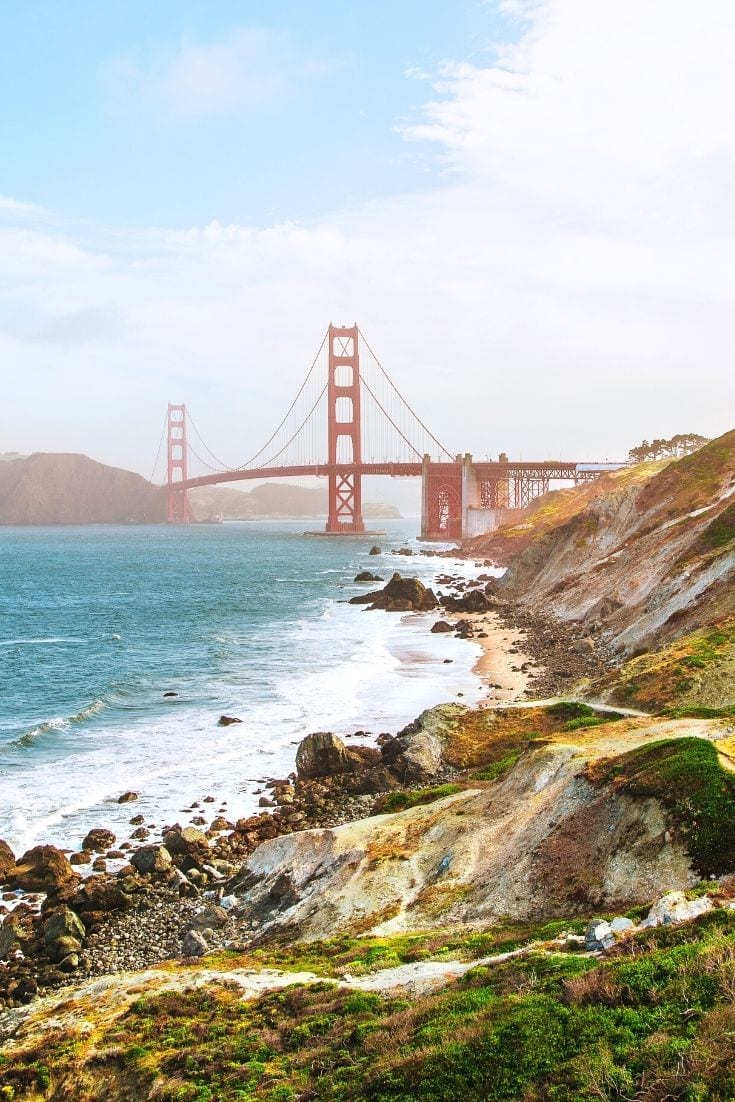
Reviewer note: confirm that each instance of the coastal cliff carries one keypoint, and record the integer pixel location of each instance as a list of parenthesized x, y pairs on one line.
[(533, 900)]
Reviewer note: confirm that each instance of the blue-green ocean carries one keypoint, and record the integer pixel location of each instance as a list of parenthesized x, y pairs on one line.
[(249, 619)]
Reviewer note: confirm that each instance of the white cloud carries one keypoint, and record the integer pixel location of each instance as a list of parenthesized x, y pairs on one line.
[(565, 289), (14, 208), (251, 68)]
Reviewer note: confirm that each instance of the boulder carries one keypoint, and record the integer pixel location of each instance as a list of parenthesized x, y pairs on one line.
[(193, 945), (227, 721), (42, 869), (210, 918), (127, 797), (7, 860), (675, 907), (151, 859), (65, 949), (8, 939), (399, 595), (598, 936), (102, 895), (475, 601), (63, 923), (367, 576), (440, 627), (98, 840), (417, 753), (81, 858), (375, 550), (186, 842), (322, 754)]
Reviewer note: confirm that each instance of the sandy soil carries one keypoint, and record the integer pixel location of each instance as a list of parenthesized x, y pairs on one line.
[(500, 665)]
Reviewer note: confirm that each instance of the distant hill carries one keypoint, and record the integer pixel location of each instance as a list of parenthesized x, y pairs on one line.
[(272, 499), (60, 488)]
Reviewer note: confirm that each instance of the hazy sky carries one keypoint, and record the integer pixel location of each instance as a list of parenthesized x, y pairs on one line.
[(527, 206)]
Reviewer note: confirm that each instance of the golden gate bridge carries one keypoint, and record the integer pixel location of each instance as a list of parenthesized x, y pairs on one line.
[(348, 420)]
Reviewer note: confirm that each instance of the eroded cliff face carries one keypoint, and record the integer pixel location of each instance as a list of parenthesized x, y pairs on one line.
[(548, 839), (645, 562)]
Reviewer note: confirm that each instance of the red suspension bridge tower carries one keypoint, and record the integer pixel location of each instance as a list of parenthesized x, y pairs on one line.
[(178, 511), (370, 430), (344, 433)]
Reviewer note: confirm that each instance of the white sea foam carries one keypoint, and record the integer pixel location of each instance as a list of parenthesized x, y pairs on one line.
[(338, 668)]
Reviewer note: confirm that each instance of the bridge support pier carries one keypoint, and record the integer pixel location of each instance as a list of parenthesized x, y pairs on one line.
[(178, 510), (344, 517)]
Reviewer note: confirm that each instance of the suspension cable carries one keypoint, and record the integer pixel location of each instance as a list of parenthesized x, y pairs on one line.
[(207, 448), (388, 416), (410, 408), (160, 445), (298, 430), (204, 462), (288, 413)]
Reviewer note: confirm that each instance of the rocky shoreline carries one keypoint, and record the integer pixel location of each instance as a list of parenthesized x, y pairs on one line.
[(173, 897)]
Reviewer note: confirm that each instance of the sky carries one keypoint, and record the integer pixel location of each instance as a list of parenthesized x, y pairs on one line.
[(526, 205)]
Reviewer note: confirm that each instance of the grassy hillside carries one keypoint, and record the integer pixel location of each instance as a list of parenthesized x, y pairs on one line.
[(696, 671), (554, 509), (654, 1020)]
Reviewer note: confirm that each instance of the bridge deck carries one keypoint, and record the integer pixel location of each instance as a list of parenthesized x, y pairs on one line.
[(562, 470)]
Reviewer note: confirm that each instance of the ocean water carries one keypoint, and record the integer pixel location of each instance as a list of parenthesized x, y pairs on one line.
[(250, 619)]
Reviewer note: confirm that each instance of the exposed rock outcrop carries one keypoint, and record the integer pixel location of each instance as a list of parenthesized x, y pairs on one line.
[(542, 841), (399, 595), (649, 557)]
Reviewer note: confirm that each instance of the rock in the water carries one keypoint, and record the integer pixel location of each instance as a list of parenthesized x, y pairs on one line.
[(367, 576), (193, 945), (127, 797), (149, 859), (227, 721), (42, 869), (399, 595), (98, 840), (7, 860), (440, 627), (169, 693), (675, 907), (375, 550), (322, 754)]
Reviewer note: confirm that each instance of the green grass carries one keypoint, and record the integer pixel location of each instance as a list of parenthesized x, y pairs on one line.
[(720, 532), (401, 801), (687, 777), (655, 1021), (496, 769)]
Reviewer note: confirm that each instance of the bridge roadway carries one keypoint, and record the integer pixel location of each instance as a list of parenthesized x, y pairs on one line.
[(551, 469), (459, 498)]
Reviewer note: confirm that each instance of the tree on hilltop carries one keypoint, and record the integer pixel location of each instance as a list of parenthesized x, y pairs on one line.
[(683, 443)]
